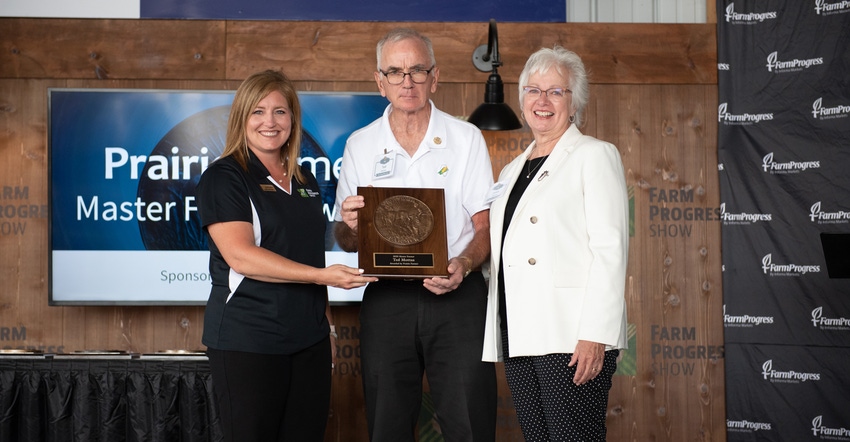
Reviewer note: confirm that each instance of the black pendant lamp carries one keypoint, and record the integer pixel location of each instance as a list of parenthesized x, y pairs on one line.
[(494, 114)]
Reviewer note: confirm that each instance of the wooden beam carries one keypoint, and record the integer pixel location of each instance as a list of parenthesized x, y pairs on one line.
[(613, 53), (111, 49), (340, 51)]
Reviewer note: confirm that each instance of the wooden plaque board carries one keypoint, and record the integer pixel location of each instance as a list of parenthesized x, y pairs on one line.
[(402, 232)]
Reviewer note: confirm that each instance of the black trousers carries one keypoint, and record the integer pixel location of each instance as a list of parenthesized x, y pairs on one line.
[(549, 406), (267, 398), (407, 331)]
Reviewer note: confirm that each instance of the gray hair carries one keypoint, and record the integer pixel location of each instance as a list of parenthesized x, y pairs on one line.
[(399, 34), (567, 63)]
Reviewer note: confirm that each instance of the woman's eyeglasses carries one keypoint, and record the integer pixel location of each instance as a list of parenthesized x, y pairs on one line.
[(553, 93)]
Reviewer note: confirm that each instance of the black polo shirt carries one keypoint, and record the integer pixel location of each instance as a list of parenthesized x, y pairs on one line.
[(244, 314)]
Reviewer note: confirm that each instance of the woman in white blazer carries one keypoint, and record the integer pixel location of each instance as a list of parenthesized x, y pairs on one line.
[(559, 248)]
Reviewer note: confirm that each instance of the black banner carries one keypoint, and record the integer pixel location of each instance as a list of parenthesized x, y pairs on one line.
[(784, 164)]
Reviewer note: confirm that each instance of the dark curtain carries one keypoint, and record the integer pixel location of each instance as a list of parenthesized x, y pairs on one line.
[(784, 156)]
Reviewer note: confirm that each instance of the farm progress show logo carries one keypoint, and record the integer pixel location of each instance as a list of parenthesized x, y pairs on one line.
[(16, 208), (823, 7), (745, 321), (779, 66), (743, 218), (747, 18), (786, 377), (818, 429), (769, 164), (745, 119), (772, 269), (673, 212), (745, 426), (826, 323), (676, 350), (817, 215), (819, 112)]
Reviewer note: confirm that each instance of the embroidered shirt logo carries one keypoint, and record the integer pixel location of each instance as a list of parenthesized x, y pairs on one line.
[(308, 193)]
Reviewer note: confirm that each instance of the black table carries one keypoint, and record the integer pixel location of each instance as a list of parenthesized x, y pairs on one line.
[(110, 398)]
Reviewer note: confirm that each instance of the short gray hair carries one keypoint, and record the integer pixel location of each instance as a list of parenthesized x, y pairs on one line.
[(567, 63), (398, 34)]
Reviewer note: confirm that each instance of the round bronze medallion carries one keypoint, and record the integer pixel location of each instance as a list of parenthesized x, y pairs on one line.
[(403, 220)]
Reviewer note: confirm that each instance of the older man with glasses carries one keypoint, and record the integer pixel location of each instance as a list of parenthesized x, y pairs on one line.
[(432, 327)]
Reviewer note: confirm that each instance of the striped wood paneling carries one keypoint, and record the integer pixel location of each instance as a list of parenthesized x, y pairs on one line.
[(653, 95)]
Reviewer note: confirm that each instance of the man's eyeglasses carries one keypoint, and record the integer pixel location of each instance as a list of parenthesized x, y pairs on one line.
[(553, 93), (417, 76)]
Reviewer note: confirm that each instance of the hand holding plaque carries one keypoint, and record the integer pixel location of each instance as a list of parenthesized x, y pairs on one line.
[(402, 232)]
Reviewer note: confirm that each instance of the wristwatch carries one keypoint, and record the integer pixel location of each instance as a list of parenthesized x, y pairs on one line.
[(333, 332)]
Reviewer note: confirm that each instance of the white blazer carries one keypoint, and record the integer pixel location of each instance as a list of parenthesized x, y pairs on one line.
[(565, 252)]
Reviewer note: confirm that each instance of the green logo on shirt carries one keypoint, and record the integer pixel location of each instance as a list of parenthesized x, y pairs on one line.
[(308, 193)]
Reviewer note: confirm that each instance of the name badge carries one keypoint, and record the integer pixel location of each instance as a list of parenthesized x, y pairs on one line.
[(496, 191), (384, 165)]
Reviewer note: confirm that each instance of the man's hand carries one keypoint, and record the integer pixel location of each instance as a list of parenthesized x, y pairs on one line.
[(349, 208), (345, 232), (475, 253), (458, 267)]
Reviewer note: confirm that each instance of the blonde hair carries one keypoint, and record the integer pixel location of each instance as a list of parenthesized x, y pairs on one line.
[(255, 88)]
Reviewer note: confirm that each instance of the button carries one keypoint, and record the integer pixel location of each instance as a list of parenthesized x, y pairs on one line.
[(532, 261), (533, 220)]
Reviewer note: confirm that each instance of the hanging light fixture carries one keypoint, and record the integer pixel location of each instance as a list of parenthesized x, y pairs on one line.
[(494, 114)]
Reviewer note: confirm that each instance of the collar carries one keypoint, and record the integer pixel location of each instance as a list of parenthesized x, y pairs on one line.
[(566, 144), (435, 135)]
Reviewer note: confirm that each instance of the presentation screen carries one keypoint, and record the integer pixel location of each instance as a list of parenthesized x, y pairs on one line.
[(123, 166)]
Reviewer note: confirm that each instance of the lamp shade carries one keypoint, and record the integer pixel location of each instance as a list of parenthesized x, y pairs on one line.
[(494, 114)]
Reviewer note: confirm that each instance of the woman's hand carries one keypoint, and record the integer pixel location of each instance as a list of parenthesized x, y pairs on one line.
[(587, 358), (344, 277)]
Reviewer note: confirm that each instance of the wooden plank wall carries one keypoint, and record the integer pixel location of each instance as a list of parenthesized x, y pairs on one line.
[(653, 94)]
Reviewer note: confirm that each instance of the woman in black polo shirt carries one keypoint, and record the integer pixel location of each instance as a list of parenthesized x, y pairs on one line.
[(266, 324)]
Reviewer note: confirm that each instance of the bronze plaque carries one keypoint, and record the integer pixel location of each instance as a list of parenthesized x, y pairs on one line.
[(402, 232)]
